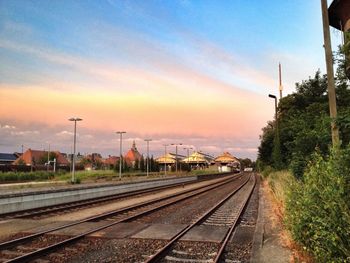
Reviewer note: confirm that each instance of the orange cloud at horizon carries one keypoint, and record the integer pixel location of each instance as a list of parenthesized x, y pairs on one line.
[(236, 113)]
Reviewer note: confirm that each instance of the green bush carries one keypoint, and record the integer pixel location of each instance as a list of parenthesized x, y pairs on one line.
[(28, 176), (267, 171), (298, 165), (318, 209)]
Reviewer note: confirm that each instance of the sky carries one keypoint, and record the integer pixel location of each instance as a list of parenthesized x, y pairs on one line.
[(180, 71)]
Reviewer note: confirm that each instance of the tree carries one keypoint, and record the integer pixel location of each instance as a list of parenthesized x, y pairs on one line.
[(304, 124), (137, 165), (21, 162), (142, 164), (125, 166)]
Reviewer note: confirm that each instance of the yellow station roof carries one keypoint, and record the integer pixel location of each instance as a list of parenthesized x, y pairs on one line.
[(195, 157), (168, 158), (226, 157)]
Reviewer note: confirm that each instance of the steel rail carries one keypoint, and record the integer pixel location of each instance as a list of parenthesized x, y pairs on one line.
[(107, 214), (76, 204), (158, 256), (233, 226), (37, 253)]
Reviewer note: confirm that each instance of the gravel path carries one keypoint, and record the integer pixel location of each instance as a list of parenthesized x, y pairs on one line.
[(120, 251), (189, 210)]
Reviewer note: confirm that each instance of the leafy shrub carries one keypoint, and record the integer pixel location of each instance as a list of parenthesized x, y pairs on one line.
[(267, 170), (318, 209), (26, 176), (298, 165)]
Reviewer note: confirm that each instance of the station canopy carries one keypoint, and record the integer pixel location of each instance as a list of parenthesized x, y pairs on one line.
[(226, 157), (169, 158), (197, 158)]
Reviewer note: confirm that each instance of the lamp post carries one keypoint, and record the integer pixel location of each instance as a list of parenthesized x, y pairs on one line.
[(274, 97), (188, 156), (147, 163), (120, 153), (165, 145), (276, 151), (75, 119), (176, 144)]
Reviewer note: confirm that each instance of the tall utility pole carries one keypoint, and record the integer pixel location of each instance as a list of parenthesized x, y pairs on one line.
[(74, 145), (280, 78), (120, 153), (276, 145), (330, 73), (147, 163)]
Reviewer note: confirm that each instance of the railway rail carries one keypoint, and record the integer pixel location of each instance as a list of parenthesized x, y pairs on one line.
[(22, 249), (219, 215), (41, 212)]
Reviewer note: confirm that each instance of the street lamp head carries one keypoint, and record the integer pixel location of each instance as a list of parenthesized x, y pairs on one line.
[(75, 119), (148, 140), (120, 132), (272, 96)]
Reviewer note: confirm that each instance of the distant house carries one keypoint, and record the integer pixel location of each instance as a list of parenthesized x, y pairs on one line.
[(7, 158), (111, 161), (92, 161), (132, 155), (78, 157), (36, 157)]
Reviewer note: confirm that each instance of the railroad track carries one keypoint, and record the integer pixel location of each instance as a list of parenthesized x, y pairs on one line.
[(40, 244), (225, 213), (46, 211)]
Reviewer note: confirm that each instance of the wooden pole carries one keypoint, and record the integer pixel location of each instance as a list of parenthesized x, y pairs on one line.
[(330, 73), (280, 78)]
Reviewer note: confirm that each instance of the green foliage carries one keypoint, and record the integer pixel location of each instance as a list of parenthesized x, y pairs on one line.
[(137, 165), (276, 152), (266, 145), (27, 176), (298, 165), (318, 209), (43, 159), (246, 162), (143, 164), (267, 170), (343, 123), (21, 162), (304, 123)]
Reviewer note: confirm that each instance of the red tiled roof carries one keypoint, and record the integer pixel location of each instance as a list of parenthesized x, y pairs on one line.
[(111, 160), (35, 156)]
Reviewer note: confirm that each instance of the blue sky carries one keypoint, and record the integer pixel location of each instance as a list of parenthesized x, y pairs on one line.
[(192, 61)]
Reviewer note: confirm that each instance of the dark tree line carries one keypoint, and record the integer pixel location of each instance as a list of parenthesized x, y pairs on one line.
[(139, 165)]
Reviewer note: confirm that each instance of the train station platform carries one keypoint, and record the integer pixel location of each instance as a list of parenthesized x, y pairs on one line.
[(268, 244)]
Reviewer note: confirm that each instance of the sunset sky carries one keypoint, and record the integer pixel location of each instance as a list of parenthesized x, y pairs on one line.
[(179, 71)]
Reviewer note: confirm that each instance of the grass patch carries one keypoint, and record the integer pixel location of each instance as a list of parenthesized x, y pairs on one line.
[(279, 183), (9, 177), (89, 176)]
